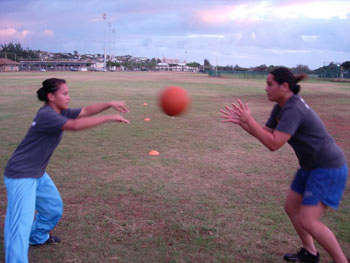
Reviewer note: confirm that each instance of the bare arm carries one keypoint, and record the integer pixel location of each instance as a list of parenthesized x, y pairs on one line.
[(240, 115), (100, 107), (268, 129), (272, 140), (90, 122)]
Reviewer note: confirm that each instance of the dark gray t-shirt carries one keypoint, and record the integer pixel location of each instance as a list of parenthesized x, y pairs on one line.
[(313, 145), (33, 153)]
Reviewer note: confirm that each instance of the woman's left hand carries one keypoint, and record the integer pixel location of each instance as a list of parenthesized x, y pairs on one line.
[(119, 106)]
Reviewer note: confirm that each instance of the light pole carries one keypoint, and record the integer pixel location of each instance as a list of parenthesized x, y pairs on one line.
[(104, 16), (114, 44), (109, 40)]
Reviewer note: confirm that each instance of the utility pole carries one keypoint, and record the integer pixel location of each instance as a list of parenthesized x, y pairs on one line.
[(109, 40), (104, 16), (114, 44)]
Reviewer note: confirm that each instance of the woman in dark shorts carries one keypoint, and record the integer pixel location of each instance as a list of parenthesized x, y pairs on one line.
[(29, 187), (321, 180)]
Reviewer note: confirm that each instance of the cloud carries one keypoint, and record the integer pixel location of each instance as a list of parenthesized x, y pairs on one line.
[(288, 51), (243, 32), (12, 34), (269, 10), (206, 36), (309, 39)]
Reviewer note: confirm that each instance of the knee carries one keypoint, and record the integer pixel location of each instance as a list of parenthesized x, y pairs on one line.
[(290, 210), (307, 223), (59, 208), (56, 208)]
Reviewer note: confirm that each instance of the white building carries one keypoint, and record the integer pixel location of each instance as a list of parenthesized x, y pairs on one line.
[(162, 66), (178, 67)]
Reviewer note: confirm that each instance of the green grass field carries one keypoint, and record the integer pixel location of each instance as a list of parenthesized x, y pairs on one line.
[(214, 194)]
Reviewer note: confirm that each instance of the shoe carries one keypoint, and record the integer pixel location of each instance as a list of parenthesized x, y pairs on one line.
[(53, 240), (302, 256)]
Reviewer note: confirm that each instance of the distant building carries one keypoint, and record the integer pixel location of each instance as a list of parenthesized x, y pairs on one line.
[(170, 60), (44, 55), (162, 66), (124, 58), (141, 59), (7, 65), (58, 65)]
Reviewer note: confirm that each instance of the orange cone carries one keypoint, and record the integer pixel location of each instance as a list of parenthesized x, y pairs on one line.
[(153, 153)]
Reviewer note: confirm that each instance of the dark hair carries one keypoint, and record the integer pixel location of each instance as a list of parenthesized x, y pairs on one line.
[(282, 75), (49, 86)]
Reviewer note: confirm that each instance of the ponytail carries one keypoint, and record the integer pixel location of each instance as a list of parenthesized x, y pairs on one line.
[(282, 75)]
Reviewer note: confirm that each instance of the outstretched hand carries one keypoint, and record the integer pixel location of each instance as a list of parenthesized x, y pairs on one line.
[(118, 118), (238, 114), (119, 106)]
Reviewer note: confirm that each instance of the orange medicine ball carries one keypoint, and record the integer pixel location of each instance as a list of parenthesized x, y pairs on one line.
[(174, 100)]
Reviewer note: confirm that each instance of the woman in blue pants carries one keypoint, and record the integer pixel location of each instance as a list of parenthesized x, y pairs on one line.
[(29, 187), (321, 179)]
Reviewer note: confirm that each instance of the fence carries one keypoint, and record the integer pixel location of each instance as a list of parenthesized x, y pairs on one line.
[(238, 74), (263, 75)]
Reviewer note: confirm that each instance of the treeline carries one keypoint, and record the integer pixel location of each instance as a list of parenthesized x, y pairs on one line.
[(332, 70), (265, 68), (16, 52)]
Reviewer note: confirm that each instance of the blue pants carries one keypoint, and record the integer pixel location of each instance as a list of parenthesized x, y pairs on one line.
[(22, 225)]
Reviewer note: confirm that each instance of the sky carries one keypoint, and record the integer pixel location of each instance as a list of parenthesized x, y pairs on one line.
[(226, 32)]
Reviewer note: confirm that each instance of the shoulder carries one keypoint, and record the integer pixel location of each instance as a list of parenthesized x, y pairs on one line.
[(71, 113), (46, 114), (295, 108), (297, 102), (46, 111)]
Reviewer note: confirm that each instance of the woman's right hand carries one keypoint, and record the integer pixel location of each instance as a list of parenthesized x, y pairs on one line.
[(118, 118)]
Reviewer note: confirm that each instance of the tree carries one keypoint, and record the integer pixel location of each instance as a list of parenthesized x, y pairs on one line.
[(193, 64), (345, 69), (261, 68), (16, 52), (207, 65), (112, 64), (346, 65), (330, 71), (301, 69), (238, 68)]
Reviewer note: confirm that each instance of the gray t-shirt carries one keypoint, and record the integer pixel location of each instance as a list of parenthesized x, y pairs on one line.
[(313, 145), (45, 133)]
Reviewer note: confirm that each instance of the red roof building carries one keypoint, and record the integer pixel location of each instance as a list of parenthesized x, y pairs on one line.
[(7, 65)]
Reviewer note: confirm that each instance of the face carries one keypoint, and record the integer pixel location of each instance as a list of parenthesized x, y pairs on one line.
[(60, 99), (273, 90)]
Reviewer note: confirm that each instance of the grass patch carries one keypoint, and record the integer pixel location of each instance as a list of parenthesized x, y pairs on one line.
[(214, 194)]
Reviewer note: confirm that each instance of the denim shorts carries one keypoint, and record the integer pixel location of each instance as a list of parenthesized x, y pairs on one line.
[(322, 184)]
